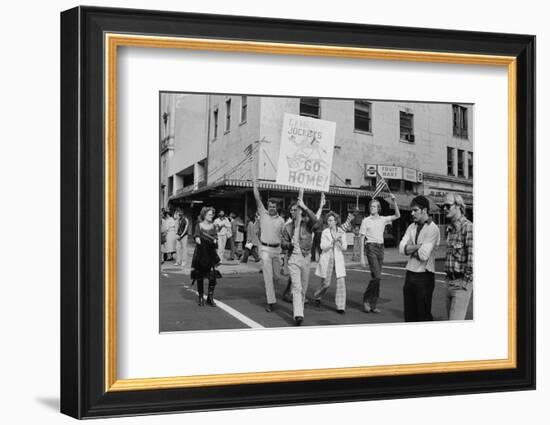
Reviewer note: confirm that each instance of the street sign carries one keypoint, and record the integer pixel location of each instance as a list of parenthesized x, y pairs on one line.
[(390, 172)]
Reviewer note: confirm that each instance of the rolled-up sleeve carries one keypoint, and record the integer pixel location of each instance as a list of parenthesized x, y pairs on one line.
[(429, 243), (406, 239)]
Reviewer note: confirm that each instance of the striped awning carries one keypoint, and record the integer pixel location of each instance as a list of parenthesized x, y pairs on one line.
[(269, 185)]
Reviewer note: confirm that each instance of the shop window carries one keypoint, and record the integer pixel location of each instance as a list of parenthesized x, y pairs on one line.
[(470, 165)]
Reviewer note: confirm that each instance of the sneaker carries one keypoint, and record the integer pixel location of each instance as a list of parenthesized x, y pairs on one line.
[(341, 311), (269, 307), (366, 307), (298, 320), (375, 310), (317, 303)]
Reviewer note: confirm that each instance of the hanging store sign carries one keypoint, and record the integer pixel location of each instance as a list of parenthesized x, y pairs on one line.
[(409, 174), (305, 156), (370, 170), (390, 172), (420, 177)]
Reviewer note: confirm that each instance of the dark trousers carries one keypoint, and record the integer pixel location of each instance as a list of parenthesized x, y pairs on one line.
[(375, 257), (417, 296), (248, 252)]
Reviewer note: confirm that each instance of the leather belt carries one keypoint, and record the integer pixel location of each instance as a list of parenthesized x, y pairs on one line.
[(454, 276), (271, 245)]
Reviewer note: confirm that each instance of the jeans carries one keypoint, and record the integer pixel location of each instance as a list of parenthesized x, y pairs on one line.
[(375, 257), (417, 296), (457, 299), (247, 252)]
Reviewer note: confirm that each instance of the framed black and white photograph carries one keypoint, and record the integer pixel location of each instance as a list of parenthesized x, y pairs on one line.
[(308, 212), (231, 169)]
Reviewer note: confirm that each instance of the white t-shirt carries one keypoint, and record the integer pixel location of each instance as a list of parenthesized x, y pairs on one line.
[(372, 227)]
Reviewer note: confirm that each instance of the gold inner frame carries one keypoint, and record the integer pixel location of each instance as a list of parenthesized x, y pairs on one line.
[(113, 41)]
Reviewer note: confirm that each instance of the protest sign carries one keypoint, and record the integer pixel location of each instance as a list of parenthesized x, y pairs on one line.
[(305, 156)]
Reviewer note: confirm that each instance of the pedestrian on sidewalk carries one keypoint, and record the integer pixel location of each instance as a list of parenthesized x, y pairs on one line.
[(181, 238), (459, 261), (298, 239), (271, 227), (168, 227), (252, 239), (333, 243), (372, 245), (223, 228), (205, 257), (419, 243)]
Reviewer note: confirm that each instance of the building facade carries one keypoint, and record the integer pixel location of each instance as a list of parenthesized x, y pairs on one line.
[(213, 144)]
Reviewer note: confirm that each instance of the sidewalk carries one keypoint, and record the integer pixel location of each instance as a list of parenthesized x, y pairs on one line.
[(391, 256)]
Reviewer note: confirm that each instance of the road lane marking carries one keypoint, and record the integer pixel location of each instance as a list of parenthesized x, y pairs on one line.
[(398, 268), (236, 314), (383, 274)]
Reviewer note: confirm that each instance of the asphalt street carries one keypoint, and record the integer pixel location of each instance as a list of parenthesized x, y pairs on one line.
[(241, 300)]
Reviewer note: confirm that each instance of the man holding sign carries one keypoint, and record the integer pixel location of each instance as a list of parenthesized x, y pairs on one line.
[(271, 226), (298, 240)]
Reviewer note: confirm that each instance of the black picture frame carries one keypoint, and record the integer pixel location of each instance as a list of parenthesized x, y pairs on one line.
[(83, 393)]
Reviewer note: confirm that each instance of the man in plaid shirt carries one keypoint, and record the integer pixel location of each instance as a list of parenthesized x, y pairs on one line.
[(459, 259)]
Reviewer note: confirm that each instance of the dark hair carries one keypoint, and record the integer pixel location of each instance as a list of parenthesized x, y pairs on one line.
[(421, 202), (333, 214), (272, 201), (204, 210)]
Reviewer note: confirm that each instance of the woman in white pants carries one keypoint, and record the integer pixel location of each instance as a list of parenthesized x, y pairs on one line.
[(333, 243)]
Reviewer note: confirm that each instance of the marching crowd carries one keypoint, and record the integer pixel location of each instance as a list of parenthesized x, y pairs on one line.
[(292, 243)]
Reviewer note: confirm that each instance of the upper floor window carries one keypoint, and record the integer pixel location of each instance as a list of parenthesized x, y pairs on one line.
[(450, 161), (363, 120), (460, 163), (310, 107), (406, 128), (228, 115), (215, 123), (244, 107), (460, 121)]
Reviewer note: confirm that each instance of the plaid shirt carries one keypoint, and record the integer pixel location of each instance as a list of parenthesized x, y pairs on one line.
[(460, 249)]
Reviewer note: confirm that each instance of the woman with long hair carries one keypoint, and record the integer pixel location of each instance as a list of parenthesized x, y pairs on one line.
[(333, 243), (205, 257)]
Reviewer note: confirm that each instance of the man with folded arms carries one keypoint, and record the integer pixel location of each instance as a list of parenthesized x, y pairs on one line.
[(271, 227), (419, 243), (459, 260)]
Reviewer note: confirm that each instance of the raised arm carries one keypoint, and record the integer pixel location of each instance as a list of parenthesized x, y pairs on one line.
[(257, 196), (397, 212), (321, 206)]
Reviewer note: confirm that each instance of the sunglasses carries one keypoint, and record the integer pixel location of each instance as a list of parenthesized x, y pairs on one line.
[(447, 206)]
